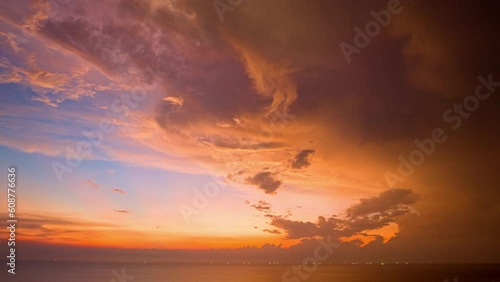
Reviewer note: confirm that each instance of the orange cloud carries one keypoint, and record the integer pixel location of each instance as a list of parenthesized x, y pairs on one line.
[(178, 101)]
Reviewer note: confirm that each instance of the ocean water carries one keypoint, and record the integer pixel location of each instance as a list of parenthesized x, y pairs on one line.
[(140, 272)]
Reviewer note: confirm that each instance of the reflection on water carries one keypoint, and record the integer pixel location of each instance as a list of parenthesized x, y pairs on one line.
[(140, 272)]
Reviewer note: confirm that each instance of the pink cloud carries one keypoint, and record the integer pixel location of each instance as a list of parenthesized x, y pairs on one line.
[(118, 191), (91, 184)]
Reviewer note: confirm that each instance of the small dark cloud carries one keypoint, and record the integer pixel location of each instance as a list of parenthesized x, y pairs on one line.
[(265, 181), (262, 206), (121, 211), (272, 231), (91, 184), (118, 191), (301, 159)]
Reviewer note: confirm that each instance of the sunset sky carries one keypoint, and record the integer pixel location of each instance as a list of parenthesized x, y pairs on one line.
[(216, 131)]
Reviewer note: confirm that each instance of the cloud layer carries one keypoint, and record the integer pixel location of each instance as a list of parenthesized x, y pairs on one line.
[(266, 100)]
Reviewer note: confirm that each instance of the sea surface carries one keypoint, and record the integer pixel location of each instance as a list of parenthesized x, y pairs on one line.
[(150, 272)]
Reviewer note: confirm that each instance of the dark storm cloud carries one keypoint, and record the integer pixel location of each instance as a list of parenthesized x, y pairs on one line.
[(191, 62), (406, 72), (368, 214)]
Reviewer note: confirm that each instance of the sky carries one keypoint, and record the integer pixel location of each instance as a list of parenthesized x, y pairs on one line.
[(188, 131)]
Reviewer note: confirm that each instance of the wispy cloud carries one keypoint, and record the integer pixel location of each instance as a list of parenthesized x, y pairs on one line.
[(91, 184), (178, 101), (10, 39), (121, 211), (272, 231)]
